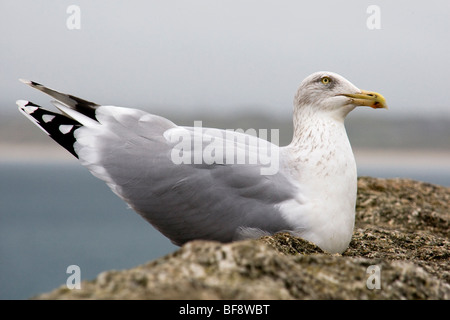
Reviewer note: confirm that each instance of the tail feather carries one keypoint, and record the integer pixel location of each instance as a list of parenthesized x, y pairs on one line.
[(59, 127), (82, 106)]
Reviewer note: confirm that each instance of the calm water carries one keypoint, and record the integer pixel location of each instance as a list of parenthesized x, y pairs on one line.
[(56, 215)]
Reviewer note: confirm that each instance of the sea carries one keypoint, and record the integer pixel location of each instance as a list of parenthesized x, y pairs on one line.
[(54, 215)]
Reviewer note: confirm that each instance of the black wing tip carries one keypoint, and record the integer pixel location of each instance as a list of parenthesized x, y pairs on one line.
[(28, 108), (83, 106), (59, 127), (30, 83)]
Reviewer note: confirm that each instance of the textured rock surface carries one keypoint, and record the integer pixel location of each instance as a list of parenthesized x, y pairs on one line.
[(402, 227)]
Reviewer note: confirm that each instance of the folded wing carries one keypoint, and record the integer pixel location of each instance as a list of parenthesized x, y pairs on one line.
[(134, 153)]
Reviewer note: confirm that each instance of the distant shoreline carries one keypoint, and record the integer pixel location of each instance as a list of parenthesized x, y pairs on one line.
[(412, 157), (372, 157), (33, 152)]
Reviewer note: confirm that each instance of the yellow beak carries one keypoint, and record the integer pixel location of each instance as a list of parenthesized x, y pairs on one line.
[(368, 98)]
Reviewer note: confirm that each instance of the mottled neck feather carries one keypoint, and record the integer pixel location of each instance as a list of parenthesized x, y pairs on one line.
[(313, 127)]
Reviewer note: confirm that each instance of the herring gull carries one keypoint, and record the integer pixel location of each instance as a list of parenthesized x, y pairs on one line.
[(202, 183)]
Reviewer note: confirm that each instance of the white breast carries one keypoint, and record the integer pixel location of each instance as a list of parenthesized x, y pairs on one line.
[(325, 173)]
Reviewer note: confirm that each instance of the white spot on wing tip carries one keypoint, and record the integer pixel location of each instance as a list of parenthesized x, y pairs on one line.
[(27, 111), (25, 81), (23, 106), (65, 128), (22, 103), (47, 118)]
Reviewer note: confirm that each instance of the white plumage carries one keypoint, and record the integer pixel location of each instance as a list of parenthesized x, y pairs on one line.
[(311, 193)]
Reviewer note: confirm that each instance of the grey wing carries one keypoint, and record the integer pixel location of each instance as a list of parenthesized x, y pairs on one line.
[(133, 152), (188, 188)]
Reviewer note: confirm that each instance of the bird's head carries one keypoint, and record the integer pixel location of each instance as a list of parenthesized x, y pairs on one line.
[(332, 93)]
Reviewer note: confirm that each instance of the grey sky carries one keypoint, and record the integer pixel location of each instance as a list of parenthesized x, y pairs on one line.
[(218, 57)]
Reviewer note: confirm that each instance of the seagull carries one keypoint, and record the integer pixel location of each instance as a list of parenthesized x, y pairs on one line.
[(161, 171)]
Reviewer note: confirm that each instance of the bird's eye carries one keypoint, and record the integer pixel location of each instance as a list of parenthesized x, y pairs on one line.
[(326, 80)]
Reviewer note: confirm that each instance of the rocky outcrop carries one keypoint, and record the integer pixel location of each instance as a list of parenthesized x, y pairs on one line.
[(400, 250)]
